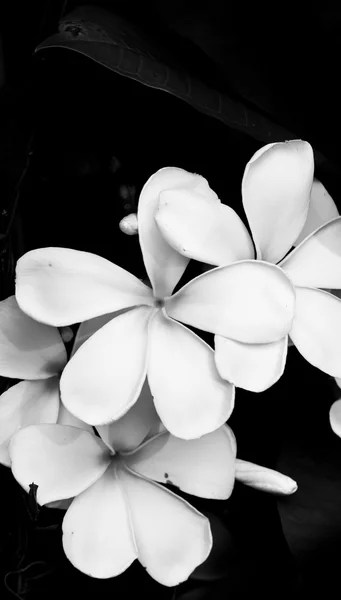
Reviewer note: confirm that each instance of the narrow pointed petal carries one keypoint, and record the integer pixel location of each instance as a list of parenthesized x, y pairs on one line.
[(88, 328), (26, 403), (171, 536), (322, 209), (67, 418), (206, 231), (316, 262), (316, 330), (276, 194), (263, 479), (129, 431), (189, 395), (335, 417), (204, 467), (28, 349), (97, 534), (59, 286), (164, 265), (249, 301), (253, 367), (63, 461), (105, 376)]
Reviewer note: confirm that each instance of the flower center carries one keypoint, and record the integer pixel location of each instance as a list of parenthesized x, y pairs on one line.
[(159, 302)]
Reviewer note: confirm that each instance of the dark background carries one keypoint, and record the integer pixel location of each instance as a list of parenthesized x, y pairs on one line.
[(63, 117)]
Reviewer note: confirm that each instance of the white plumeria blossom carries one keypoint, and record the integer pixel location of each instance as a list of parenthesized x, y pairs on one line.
[(120, 512), (103, 380), (35, 353), (284, 207)]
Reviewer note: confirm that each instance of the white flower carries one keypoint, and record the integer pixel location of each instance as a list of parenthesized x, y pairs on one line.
[(281, 210), (104, 378)]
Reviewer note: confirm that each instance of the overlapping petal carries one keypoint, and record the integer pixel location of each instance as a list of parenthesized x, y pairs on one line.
[(189, 395), (129, 431), (171, 536), (206, 231), (28, 350), (316, 330), (249, 301), (335, 417), (63, 461), (316, 262), (253, 367), (59, 286), (26, 403), (88, 328), (276, 190), (264, 479), (204, 467), (322, 209), (105, 376), (67, 418), (97, 533), (164, 265)]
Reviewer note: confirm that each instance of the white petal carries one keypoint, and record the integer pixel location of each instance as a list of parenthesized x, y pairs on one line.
[(204, 467), (263, 479), (88, 328), (26, 403), (105, 376), (253, 367), (62, 461), (249, 301), (129, 225), (316, 330), (338, 381), (171, 536), (59, 286), (97, 534), (276, 194), (130, 430), (206, 231), (67, 418), (335, 417), (189, 395), (28, 349), (316, 262), (322, 209), (163, 264)]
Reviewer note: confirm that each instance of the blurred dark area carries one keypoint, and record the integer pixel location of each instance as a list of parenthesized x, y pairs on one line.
[(73, 134)]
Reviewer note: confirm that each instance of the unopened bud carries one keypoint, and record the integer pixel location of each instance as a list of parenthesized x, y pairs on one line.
[(66, 333), (263, 479), (129, 224)]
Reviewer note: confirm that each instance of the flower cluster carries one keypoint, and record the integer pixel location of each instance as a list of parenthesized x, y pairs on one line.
[(142, 402)]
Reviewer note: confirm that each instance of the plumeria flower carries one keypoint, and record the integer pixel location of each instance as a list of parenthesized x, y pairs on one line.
[(119, 511), (281, 211), (103, 380)]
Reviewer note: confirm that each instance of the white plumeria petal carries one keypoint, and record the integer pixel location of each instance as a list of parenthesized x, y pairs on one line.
[(263, 479), (164, 265), (130, 430), (172, 537), (249, 301), (253, 367), (189, 395), (60, 286), (338, 381), (204, 467), (67, 418), (62, 461), (97, 533), (88, 328), (28, 350), (316, 330), (105, 376), (335, 417), (316, 262), (26, 403), (276, 190), (322, 209), (206, 231)]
